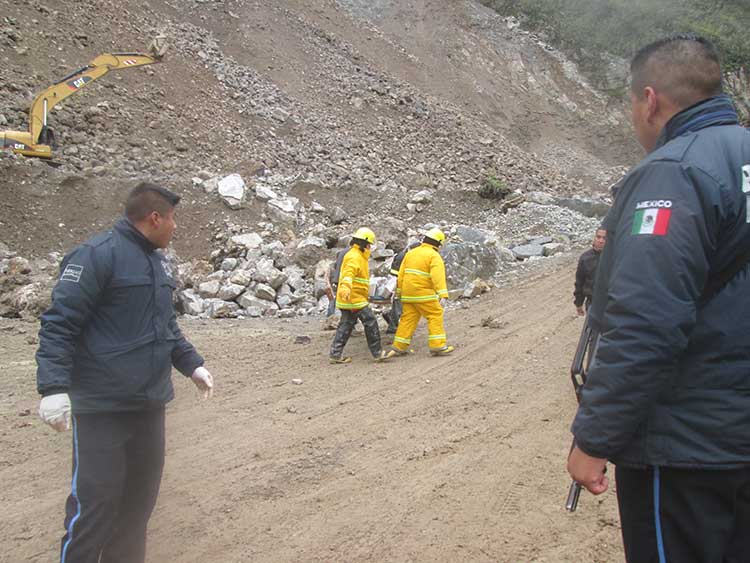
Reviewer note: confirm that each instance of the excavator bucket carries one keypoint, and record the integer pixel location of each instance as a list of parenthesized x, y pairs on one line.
[(157, 48)]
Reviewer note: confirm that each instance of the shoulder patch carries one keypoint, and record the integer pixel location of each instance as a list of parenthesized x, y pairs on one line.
[(652, 217), (72, 273)]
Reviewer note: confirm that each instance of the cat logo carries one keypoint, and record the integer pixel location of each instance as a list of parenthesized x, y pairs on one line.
[(79, 82), (19, 146)]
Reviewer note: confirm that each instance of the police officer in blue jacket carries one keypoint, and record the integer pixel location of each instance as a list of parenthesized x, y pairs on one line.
[(107, 345), (667, 398)]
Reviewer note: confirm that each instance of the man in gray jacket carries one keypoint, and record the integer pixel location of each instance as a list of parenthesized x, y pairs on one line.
[(667, 398), (107, 345)]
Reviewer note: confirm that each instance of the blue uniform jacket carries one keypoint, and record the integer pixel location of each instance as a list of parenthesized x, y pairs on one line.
[(670, 381), (110, 336)]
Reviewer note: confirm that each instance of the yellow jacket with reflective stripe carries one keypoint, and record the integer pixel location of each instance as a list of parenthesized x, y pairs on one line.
[(355, 274), (421, 276)]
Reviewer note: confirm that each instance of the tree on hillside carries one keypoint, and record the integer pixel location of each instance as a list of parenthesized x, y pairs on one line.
[(588, 30)]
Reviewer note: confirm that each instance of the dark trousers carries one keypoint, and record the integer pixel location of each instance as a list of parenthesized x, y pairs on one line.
[(117, 465), (673, 515), (346, 325), (394, 315)]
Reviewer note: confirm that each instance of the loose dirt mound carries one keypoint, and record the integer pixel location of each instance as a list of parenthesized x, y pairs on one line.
[(425, 459)]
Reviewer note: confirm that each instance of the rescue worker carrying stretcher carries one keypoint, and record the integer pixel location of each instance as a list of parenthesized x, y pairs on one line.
[(352, 296), (422, 288)]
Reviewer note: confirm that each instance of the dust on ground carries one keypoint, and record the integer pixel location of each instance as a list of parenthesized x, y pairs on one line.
[(449, 459)]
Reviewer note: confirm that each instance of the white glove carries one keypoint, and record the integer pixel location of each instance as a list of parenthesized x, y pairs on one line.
[(55, 411), (443, 302), (203, 381)]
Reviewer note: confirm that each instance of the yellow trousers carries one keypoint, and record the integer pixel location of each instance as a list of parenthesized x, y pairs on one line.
[(433, 312)]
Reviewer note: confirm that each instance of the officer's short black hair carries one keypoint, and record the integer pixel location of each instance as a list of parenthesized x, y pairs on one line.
[(146, 198), (684, 67)]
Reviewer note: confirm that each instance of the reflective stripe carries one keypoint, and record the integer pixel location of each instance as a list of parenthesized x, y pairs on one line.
[(417, 272), (357, 305), (347, 278), (362, 280), (657, 517), (402, 340), (436, 337), (73, 492), (443, 292), (394, 272), (418, 299)]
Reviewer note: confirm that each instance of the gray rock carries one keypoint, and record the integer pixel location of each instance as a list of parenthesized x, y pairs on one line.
[(274, 250), (524, 251), (218, 309), (476, 288), (541, 240), (294, 277), (424, 196), (190, 302), (553, 248), (211, 185), (289, 205), (248, 240), (248, 300), (232, 190), (209, 289), (337, 215), (267, 273), (280, 114), (231, 291), (18, 265), (391, 232), (241, 277), (228, 264), (280, 217), (264, 193), (472, 234), (309, 252), (380, 252), (263, 291), (584, 206), (541, 198), (467, 261), (284, 301)]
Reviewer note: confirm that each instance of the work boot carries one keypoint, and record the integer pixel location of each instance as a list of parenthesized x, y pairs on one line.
[(442, 351), (344, 360), (396, 353), (383, 356)]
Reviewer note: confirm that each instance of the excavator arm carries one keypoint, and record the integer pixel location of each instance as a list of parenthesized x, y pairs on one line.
[(38, 139)]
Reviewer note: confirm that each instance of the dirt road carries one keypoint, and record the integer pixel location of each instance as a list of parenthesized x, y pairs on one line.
[(422, 459)]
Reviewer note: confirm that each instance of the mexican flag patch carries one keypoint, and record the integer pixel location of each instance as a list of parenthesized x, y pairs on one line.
[(652, 221)]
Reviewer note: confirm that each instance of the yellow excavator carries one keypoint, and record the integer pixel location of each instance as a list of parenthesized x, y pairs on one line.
[(39, 140)]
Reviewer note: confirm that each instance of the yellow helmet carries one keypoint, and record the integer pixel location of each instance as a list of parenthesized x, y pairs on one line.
[(363, 233), (436, 234)]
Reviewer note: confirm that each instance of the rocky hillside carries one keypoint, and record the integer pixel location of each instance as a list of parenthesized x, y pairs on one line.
[(347, 111)]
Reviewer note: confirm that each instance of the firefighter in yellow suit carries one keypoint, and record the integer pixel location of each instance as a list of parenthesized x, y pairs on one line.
[(421, 287), (352, 298)]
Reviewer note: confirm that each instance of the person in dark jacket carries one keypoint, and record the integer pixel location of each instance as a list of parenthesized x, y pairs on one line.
[(586, 270), (667, 398), (393, 316), (107, 345)]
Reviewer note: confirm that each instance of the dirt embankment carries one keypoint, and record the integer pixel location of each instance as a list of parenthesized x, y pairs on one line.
[(425, 459)]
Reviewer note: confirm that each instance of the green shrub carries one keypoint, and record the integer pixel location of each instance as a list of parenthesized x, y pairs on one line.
[(493, 187)]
